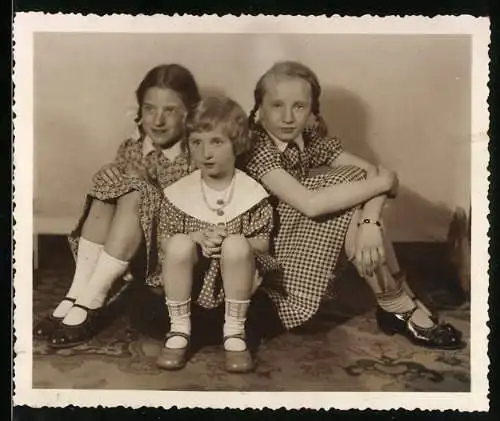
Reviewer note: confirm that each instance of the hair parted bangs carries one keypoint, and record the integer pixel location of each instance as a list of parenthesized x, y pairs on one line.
[(224, 114), (169, 76), (294, 70)]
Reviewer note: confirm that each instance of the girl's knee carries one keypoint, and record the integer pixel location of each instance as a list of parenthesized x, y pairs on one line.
[(180, 248), (129, 200), (236, 247), (97, 204)]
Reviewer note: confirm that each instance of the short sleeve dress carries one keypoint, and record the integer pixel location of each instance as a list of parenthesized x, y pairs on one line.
[(307, 249), (146, 170), (249, 213)]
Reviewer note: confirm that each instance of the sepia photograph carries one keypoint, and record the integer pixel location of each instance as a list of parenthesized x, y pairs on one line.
[(251, 209)]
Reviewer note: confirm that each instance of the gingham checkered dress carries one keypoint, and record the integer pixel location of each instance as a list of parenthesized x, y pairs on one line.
[(255, 222), (308, 249), (147, 174)]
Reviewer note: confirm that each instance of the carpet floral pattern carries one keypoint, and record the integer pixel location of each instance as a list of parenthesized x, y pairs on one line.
[(340, 350)]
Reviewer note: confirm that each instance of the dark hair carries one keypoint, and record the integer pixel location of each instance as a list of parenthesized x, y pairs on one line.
[(292, 69), (169, 76), (222, 111)]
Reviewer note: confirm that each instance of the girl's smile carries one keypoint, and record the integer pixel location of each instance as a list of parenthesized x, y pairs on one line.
[(163, 116)]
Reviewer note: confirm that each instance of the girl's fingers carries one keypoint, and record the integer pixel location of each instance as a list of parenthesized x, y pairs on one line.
[(221, 232), (362, 267), (205, 251), (359, 268), (211, 245), (375, 258), (217, 238), (112, 175), (210, 252), (106, 178), (367, 261), (117, 173), (214, 239), (213, 249), (358, 262), (381, 253), (209, 242)]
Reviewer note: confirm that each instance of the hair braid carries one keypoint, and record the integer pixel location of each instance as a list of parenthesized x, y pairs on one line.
[(252, 117)]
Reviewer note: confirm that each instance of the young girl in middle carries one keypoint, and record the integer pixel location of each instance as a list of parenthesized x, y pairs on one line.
[(216, 225)]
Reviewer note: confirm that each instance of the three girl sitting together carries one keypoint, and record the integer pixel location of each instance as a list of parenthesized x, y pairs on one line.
[(242, 214)]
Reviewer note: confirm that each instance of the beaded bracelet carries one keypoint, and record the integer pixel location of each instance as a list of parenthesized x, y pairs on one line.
[(370, 221)]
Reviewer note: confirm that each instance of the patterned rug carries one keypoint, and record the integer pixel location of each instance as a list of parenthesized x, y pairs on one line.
[(340, 350)]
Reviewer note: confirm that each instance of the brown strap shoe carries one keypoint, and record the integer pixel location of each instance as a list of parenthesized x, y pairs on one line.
[(238, 361), (173, 358)]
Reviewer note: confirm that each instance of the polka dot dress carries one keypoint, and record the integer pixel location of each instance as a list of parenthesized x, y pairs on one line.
[(307, 249), (147, 175), (256, 222)]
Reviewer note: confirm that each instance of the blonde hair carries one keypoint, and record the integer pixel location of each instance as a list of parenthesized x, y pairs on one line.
[(223, 112), (291, 69)]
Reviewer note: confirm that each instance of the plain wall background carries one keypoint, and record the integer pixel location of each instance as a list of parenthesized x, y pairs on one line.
[(403, 101)]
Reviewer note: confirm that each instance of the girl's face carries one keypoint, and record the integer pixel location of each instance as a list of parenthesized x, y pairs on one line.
[(286, 107), (212, 152), (163, 115)]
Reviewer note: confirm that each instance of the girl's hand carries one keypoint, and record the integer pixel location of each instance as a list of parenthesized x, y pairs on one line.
[(208, 247), (369, 249), (391, 181), (212, 241), (109, 174)]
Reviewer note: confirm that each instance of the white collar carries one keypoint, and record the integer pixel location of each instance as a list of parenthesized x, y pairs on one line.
[(299, 141), (185, 194), (171, 153)]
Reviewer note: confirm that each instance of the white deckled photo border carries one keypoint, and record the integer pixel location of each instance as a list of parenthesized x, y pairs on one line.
[(26, 24)]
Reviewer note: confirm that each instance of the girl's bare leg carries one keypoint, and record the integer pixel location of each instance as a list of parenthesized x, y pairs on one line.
[(123, 240), (180, 258), (125, 234), (94, 233), (98, 223), (386, 283), (238, 274)]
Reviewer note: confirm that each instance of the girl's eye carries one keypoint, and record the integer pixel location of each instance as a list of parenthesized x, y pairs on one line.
[(195, 142), (147, 108), (299, 106), (276, 104)]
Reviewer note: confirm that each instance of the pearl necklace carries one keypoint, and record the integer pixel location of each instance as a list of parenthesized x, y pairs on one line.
[(222, 201)]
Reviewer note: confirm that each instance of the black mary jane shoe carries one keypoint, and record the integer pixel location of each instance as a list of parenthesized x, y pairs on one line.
[(68, 336), (45, 328), (440, 336)]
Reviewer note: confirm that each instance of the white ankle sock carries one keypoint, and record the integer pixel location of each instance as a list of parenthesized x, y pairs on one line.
[(108, 269), (88, 253), (180, 321), (234, 324)]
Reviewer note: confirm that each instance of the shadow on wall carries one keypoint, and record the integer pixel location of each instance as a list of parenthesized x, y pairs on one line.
[(410, 215)]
